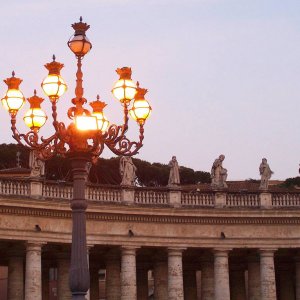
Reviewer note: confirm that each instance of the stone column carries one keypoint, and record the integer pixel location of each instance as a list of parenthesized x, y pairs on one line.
[(15, 278), (175, 279), (160, 280), (189, 284), (63, 289), (267, 275), (33, 275), (286, 282), (221, 275), (253, 278), (297, 267), (113, 280), (207, 280), (142, 283), (237, 283), (128, 273)]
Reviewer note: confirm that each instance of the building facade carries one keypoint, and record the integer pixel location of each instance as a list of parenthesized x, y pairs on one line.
[(144, 243)]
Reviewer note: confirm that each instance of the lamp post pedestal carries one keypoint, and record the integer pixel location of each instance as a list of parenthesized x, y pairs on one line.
[(79, 270)]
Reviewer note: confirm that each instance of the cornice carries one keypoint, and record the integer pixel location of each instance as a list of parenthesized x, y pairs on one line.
[(143, 217)]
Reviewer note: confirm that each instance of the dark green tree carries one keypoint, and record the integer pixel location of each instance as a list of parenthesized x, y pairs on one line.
[(106, 171)]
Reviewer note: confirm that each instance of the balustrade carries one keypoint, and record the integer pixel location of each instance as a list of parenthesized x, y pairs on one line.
[(103, 193), (197, 199), (242, 200), (285, 199), (150, 196), (57, 190), (155, 197), (14, 187)]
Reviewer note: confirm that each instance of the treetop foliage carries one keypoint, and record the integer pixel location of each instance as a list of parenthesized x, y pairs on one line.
[(106, 171)]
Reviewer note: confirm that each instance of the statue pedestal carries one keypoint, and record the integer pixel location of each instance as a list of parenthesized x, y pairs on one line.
[(265, 200), (174, 196), (127, 195), (36, 187), (220, 199)]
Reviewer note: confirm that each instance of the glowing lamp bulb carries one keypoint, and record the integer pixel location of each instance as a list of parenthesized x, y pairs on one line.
[(98, 106), (141, 109), (14, 99), (85, 123), (79, 43), (35, 117), (54, 85), (124, 89)]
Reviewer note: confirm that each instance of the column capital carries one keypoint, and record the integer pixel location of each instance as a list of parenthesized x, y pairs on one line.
[(175, 251), (34, 245), (267, 252), (221, 251), (129, 250)]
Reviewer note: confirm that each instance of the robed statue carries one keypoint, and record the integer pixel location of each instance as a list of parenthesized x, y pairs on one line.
[(174, 178), (127, 171), (218, 173), (37, 166), (265, 173)]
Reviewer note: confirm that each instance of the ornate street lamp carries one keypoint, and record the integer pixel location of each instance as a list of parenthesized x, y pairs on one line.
[(82, 140)]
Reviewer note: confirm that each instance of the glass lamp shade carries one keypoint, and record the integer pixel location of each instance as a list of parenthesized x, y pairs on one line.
[(35, 118), (102, 121), (140, 110), (124, 90), (54, 86), (13, 100), (80, 45), (84, 123)]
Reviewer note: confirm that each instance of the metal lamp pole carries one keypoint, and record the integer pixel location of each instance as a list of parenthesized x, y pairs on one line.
[(82, 140)]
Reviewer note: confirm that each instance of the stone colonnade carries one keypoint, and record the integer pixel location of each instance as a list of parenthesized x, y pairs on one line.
[(173, 280)]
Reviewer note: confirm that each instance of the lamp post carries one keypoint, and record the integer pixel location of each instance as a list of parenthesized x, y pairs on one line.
[(82, 140)]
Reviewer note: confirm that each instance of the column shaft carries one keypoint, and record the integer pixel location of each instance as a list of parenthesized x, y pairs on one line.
[(33, 277), (128, 274), (63, 289), (113, 280), (221, 275), (160, 280), (15, 278), (207, 281), (175, 278), (253, 280), (267, 275)]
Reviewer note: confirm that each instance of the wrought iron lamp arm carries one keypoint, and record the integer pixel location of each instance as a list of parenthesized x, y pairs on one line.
[(123, 146), (46, 148)]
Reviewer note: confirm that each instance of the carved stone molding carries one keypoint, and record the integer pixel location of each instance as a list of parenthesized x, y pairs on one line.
[(144, 218)]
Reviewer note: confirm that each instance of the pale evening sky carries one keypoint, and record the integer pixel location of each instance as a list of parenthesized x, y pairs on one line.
[(223, 75)]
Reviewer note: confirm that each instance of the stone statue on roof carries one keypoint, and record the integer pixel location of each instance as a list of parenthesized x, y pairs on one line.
[(174, 178), (37, 166), (265, 173), (218, 173), (127, 171)]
